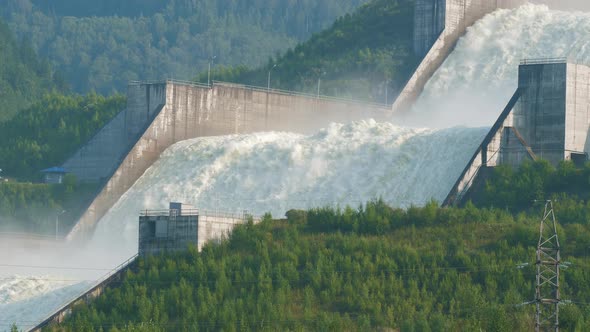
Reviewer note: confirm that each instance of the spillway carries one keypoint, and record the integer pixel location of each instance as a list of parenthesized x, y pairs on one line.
[(343, 164), (481, 74)]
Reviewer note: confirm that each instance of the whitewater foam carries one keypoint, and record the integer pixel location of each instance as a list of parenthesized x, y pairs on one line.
[(340, 165), (478, 78), (273, 172)]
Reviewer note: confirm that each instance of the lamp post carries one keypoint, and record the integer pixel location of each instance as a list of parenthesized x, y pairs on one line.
[(57, 223), (268, 86), (386, 90), (209, 70), (320, 82)]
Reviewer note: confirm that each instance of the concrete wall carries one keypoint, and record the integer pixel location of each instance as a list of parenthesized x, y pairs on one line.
[(195, 111), (180, 233), (577, 109), (61, 314), (429, 23), (540, 117), (488, 154), (98, 158), (548, 118), (216, 227), (194, 229), (144, 101), (458, 15)]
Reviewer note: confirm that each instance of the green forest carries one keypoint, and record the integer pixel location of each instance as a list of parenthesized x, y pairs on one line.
[(42, 122), (359, 269), (50, 130), (37, 207), (366, 55), (516, 189), (100, 46), (23, 76)]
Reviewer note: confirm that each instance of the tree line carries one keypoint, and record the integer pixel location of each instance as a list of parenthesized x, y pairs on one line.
[(100, 46), (366, 55), (50, 130), (23, 76), (370, 268)]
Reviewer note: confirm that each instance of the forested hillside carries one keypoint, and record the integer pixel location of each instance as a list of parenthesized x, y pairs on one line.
[(43, 135), (23, 76), (50, 130), (366, 55), (102, 45), (372, 269)]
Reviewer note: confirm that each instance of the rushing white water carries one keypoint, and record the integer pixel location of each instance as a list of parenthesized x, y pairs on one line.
[(26, 300), (342, 164), (274, 172), (479, 77)]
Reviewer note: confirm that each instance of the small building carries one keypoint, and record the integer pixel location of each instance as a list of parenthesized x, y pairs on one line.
[(182, 226), (54, 175)]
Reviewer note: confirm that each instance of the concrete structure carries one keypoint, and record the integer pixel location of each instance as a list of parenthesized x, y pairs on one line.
[(86, 297), (162, 113), (99, 158), (174, 229), (167, 230), (548, 118), (54, 175), (438, 24), (180, 227)]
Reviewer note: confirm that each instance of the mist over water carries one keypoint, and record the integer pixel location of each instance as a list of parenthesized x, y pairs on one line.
[(274, 172), (344, 164), (477, 80)]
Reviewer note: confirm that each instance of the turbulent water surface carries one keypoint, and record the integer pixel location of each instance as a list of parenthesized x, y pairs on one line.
[(342, 164), (479, 77)]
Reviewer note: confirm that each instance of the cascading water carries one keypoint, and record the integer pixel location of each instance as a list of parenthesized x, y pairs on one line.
[(479, 77), (342, 164)]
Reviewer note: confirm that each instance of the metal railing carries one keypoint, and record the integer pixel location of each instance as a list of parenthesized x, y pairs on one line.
[(263, 89), (104, 280), (169, 212), (300, 94), (31, 236), (196, 212), (543, 61), (170, 80)]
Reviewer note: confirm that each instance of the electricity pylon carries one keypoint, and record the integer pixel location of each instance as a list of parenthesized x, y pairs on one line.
[(547, 297)]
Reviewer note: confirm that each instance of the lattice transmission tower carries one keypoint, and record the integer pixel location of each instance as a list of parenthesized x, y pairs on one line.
[(547, 296)]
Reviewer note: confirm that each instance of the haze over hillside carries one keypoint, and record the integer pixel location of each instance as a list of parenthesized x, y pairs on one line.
[(102, 45), (23, 76)]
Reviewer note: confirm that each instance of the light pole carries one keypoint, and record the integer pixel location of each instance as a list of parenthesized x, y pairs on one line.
[(209, 70), (386, 90), (320, 82), (57, 223), (273, 67)]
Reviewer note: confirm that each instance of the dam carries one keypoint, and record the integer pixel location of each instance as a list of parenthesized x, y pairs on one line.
[(271, 171), (547, 118), (160, 114)]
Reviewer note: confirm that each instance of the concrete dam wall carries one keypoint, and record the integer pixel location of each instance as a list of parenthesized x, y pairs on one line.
[(438, 24), (547, 118), (161, 114), (97, 160)]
